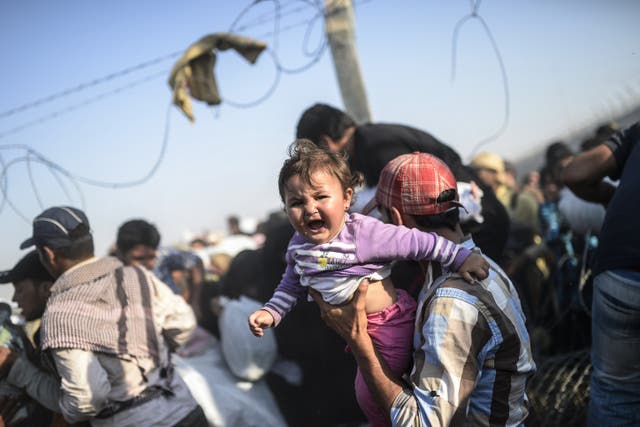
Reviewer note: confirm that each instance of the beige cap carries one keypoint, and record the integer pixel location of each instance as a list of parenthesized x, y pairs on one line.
[(488, 161)]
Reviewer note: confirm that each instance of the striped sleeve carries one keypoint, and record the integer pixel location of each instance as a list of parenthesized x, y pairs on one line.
[(286, 294), (377, 241)]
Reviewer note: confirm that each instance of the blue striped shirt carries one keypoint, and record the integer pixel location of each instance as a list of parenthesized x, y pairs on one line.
[(472, 355)]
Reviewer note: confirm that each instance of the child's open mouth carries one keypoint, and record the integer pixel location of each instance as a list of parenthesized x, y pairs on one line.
[(315, 225)]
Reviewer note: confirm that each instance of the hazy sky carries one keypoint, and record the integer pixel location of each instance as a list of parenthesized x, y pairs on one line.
[(570, 64)]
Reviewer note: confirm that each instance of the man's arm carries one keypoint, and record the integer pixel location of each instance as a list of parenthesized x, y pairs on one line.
[(350, 322), (584, 174), (454, 334), (83, 388), (175, 315), (379, 241), (8, 408), (39, 385), (84, 384)]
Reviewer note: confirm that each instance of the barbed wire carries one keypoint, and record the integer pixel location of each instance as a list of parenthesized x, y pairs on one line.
[(6, 201), (33, 184), (559, 390), (275, 15), (4, 182), (32, 156), (79, 105), (315, 55), (261, 19), (53, 169), (87, 85), (474, 15)]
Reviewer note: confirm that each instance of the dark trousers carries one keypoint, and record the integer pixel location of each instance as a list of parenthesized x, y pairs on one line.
[(195, 418)]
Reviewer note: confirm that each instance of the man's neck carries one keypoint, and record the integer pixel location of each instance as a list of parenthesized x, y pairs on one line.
[(68, 264), (455, 235)]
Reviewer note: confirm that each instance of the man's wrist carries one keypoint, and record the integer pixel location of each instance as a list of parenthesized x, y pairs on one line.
[(360, 343)]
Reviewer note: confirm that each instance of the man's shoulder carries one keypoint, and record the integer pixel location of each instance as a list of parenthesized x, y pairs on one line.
[(456, 281), (85, 272), (489, 291), (494, 296), (454, 286), (110, 268), (372, 132)]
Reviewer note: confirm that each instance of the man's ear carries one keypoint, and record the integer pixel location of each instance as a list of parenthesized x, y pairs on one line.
[(344, 143), (49, 255), (402, 219), (329, 143), (395, 216), (44, 290), (120, 255)]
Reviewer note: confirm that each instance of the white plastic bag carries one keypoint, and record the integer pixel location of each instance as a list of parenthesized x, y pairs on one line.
[(248, 357)]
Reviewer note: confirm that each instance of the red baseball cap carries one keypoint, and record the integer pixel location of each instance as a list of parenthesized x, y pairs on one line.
[(416, 184)]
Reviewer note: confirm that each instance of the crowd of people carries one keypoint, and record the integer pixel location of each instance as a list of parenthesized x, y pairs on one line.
[(446, 281)]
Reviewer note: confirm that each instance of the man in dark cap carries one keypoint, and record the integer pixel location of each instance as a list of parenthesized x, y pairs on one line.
[(31, 285), (108, 331)]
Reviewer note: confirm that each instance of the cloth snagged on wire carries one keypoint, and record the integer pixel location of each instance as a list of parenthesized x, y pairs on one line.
[(194, 70)]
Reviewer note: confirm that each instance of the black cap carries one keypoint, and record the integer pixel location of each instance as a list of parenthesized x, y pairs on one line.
[(29, 267), (59, 227)]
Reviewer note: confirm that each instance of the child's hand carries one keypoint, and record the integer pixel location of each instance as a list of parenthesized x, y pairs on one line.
[(474, 267), (259, 320)]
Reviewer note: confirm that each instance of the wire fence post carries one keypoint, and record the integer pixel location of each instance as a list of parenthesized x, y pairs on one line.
[(339, 25)]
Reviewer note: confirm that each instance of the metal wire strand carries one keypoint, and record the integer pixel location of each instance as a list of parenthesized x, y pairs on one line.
[(475, 5)]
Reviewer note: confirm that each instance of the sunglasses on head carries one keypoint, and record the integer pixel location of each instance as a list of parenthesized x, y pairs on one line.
[(447, 195)]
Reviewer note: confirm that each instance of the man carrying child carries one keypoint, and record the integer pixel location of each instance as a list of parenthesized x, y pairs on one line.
[(471, 350)]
